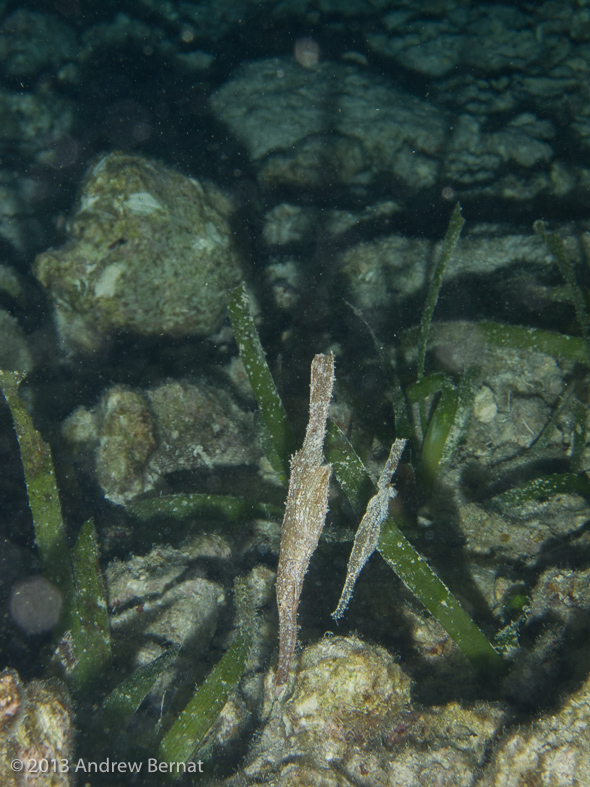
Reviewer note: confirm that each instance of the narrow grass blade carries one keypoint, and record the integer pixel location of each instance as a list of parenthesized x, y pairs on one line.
[(50, 532), (542, 488), (427, 386), (123, 701), (436, 436), (403, 426), (348, 468), (468, 388), (448, 423), (556, 246), (90, 627), (558, 345), (188, 732), (265, 390), (580, 436), (421, 580), (450, 241)]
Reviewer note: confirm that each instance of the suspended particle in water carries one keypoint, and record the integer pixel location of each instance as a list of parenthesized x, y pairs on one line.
[(307, 52), (35, 605)]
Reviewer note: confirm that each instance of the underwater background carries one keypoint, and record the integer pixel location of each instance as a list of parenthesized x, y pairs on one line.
[(196, 200)]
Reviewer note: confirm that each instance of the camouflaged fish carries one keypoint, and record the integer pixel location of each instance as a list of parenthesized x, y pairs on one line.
[(369, 530), (305, 512)]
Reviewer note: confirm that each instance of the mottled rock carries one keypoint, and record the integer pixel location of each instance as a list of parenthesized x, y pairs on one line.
[(554, 751), (11, 283), (12, 211), (440, 37), (521, 534), (35, 726), (35, 122), (133, 438), (517, 395), (338, 681), (15, 354), (287, 224), (31, 41), (432, 46), (489, 61), (207, 21), (331, 124), (382, 274), (475, 156), (160, 597), (563, 593), (119, 29), (165, 599), (513, 404), (350, 720), (150, 252), (127, 439), (339, 124), (286, 282)]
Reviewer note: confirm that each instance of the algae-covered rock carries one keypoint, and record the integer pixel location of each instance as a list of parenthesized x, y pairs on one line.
[(339, 124), (150, 251), (162, 597), (388, 271), (35, 122), (133, 438), (350, 720), (345, 690), (517, 393), (30, 42), (125, 443), (35, 732), (554, 752), (330, 124)]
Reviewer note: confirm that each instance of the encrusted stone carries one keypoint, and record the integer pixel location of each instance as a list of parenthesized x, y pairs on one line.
[(150, 251)]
